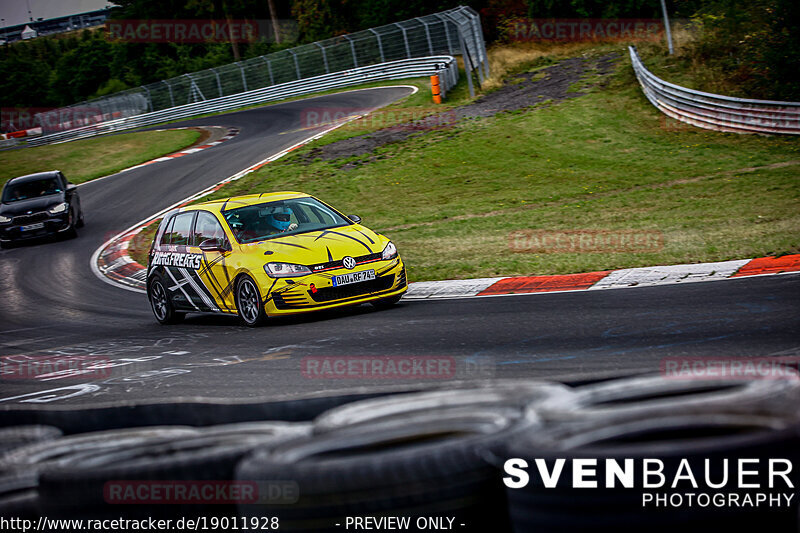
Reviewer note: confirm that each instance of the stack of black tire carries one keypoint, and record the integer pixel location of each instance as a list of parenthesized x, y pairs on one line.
[(435, 453)]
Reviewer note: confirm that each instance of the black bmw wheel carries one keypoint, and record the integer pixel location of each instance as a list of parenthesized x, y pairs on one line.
[(71, 233), (248, 302), (162, 307)]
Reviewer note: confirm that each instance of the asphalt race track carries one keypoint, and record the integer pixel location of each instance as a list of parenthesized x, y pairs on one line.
[(52, 304)]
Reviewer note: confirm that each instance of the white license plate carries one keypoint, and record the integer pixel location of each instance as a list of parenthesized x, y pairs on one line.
[(31, 227), (353, 277)]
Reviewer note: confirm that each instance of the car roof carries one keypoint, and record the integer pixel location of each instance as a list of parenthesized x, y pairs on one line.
[(33, 177), (242, 201)]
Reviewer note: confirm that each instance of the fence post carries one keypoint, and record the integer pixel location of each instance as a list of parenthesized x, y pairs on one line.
[(446, 33), (352, 49), (666, 26), (324, 57), (380, 45), (467, 61), (244, 79), (481, 44), (219, 83), (428, 36), (269, 70), (171, 97), (296, 64), (149, 99), (405, 38)]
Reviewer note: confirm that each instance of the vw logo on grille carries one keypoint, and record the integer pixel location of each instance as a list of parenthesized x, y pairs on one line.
[(349, 263)]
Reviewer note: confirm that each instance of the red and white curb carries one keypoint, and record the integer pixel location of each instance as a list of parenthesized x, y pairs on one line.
[(232, 132), (606, 279)]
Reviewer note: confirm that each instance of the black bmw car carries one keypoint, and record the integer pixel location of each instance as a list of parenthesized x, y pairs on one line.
[(39, 204)]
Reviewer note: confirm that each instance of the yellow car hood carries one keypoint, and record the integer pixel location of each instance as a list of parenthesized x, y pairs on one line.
[(322, 246)]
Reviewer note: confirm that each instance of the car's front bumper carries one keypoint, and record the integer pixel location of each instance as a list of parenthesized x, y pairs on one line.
[(50, 225), (296, 295)]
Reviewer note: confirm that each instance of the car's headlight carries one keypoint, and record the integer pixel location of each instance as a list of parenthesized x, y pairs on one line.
[(389, 252), (4, 220), (60, 208), (286, 270)]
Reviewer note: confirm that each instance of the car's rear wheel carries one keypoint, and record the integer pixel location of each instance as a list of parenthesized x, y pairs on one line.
[(162, 306), (249, 303)]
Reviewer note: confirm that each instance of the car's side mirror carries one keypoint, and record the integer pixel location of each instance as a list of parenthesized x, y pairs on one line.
[(355, 218), (214, 245)]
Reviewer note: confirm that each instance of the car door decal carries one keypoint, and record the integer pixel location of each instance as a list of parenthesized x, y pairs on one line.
[(179, 285), (215, 284), (207, 299)]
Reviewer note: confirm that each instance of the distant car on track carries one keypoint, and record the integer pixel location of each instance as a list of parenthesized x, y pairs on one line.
[(268, 255), (37, 205)]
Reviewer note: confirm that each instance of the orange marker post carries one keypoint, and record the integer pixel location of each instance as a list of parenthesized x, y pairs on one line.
[(437, 97)]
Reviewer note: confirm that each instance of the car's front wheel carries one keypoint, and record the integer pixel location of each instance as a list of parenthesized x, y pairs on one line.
[(385, 303), (162, 306), (71, 232), (249, 303)]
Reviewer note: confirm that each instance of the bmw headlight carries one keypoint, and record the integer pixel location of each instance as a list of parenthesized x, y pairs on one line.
[(4, 220), (389, 252), (60, 208), (286, 270)]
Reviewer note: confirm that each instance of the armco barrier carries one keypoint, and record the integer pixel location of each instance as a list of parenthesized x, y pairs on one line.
[(716, 112), (445, 66)]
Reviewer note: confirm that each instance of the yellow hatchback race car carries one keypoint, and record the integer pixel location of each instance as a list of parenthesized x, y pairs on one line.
[(266, 255)]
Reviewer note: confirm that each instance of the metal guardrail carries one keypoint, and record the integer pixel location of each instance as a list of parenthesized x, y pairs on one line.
[(453, 32), (713, 111), (445, 66)]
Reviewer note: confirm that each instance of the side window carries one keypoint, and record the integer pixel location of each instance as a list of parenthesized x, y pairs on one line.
[(181, 229), (166, 236), (207, 227)]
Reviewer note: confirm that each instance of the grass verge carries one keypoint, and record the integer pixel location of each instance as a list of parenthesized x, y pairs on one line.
[(93, 158)]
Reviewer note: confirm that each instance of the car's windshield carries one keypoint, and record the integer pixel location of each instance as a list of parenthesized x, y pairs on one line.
[(285, 217), (25, 190)]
